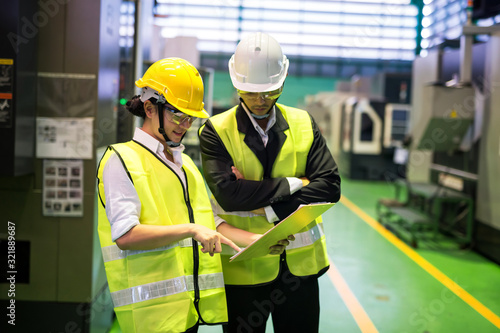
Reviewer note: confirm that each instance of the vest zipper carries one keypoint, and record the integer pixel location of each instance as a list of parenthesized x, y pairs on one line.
[(196, 255), (196, 259)]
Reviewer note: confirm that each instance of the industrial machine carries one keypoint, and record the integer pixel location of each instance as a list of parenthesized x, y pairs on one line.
[(364, 127), (17, 91), (58, 107), (449, 130), (362, 156), (454, 159)]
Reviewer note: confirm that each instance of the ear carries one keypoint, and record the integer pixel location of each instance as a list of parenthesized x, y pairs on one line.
[(150, 109)]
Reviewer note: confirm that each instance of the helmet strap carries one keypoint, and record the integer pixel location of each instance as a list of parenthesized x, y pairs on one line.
[(169, 142)]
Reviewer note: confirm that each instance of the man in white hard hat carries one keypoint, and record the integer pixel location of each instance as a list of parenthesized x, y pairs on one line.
[(262, 160)]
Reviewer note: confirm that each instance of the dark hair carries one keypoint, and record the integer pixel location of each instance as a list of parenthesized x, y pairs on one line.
[(136, 107)]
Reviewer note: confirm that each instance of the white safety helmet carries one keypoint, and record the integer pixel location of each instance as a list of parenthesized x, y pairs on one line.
[(258, 64)]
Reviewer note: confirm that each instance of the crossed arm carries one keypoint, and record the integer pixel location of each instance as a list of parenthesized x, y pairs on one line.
[(321, 183), (238, 194)]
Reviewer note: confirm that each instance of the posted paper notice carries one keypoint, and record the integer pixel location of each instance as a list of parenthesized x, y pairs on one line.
[(64, 137)]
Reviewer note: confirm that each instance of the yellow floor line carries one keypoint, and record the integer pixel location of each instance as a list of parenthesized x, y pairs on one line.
[(364, 322), (427, 266)]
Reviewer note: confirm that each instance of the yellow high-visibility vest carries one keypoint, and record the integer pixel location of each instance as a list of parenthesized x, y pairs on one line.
[(307, 254), (166, 289)]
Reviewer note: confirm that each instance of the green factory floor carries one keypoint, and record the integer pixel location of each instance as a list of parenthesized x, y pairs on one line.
[(377, 283)]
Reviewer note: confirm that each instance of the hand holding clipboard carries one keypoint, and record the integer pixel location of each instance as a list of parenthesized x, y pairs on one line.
[(292, 224)]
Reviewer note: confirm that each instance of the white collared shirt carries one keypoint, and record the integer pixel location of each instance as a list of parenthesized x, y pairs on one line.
[(262, 132), (123, 206)]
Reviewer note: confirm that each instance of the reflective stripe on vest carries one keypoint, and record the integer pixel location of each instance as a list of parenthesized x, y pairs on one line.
[(307, 238), (302, 239), (113, 252), (165, 288)]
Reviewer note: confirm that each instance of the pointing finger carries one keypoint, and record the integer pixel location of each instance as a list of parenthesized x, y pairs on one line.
[(227, 241)]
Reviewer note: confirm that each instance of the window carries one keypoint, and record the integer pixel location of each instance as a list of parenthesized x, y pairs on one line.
[(357, 30), (443, 20)]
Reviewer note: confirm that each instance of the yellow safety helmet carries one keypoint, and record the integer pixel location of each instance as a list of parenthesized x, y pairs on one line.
[(179, 82)]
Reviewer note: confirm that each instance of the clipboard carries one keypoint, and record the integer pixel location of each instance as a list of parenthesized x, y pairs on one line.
[(292, 224)]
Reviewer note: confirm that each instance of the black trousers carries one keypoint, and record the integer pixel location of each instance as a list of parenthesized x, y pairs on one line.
[(292, 301)]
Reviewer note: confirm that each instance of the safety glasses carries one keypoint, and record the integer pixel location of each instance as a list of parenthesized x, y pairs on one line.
[(274, 94), (177, 117)]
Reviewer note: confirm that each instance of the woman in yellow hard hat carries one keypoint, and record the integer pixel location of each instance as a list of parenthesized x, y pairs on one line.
[(156, 226)]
